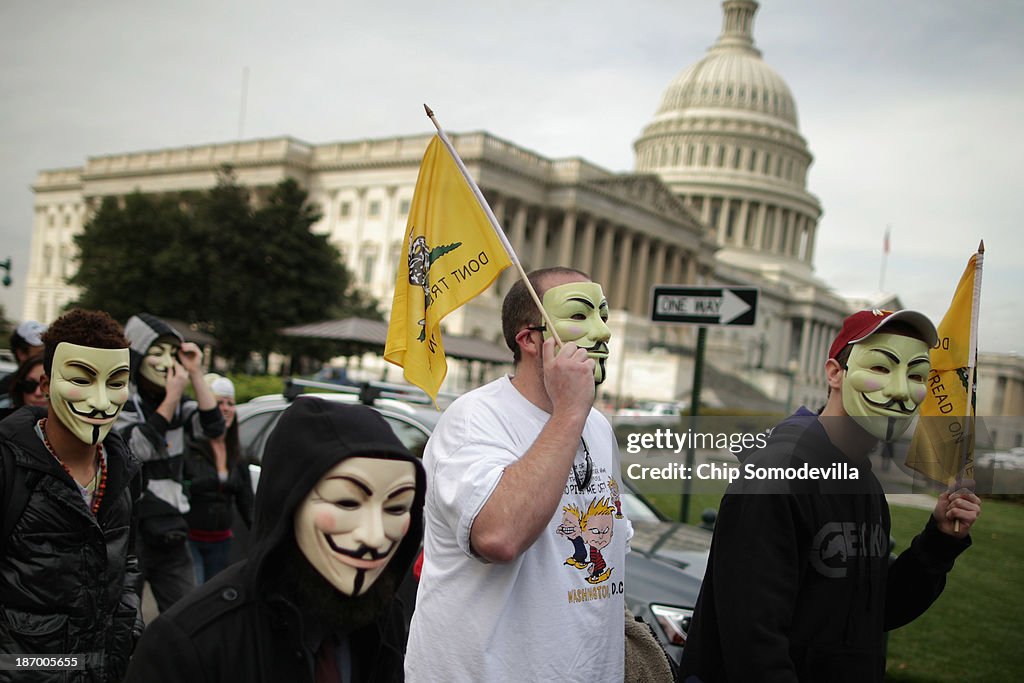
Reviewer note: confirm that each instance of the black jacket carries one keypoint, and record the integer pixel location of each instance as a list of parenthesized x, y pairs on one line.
[(251, 622), (67, 580), (798, 584), (210, 499)]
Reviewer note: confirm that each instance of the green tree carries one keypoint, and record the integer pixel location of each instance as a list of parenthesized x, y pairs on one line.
[(132, 257), (6, 327), (211, 258)]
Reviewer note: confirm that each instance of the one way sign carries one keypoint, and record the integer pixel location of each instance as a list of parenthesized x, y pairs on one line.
[(704, 305)]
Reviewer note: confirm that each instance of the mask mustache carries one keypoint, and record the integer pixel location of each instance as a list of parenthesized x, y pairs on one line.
[(600, 347), (96, 413), (895, 404), (363, 552)]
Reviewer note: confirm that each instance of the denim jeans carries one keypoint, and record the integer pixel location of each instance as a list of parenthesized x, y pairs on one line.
[(209, 558)]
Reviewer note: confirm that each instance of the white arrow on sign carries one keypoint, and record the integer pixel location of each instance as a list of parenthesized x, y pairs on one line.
[(725, 308), (732, 307)]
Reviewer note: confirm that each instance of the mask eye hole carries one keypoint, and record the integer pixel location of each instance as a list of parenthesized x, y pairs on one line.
[(347, 504), (880, 369)]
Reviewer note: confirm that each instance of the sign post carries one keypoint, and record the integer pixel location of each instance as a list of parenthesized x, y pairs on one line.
[(703, 306)]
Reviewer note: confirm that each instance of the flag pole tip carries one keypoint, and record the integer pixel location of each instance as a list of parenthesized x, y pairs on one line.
[(981, 247), (430, 112)]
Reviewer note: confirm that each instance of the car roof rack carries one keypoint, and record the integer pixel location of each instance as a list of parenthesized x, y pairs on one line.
[(368, 392)]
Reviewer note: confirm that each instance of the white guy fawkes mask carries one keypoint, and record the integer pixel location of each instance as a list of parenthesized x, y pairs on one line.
[(88, 388), (354, 519), (885, 383), (158, 360), (579, 311)]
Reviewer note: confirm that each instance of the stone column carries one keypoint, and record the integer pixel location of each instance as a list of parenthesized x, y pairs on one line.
[(638, 300), (517, 239), (762, 213), (723, 219), (587, 246), (812, 234), (805, 346), (623, 275), (357, 241), (676, 257), (567, 240), (604, 256), (540, 239), (786, 245), (661, 251), (518, 235), (740, 234)]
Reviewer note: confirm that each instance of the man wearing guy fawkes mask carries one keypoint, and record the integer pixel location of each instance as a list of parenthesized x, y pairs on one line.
[(157, 422), (67, 576), (506, 461), (338, 524), (799, 582)]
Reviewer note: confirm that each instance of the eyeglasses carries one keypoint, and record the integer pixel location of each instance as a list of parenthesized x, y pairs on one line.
[(588, 468), (27, 386)]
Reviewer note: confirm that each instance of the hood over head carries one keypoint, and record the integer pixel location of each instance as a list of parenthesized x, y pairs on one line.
[(142, 330), (311, 438)]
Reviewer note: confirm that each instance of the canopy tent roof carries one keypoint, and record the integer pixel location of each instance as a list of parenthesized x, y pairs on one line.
[(374, 333)]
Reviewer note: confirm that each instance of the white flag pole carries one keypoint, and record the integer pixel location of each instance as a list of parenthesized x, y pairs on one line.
[(494, 223)]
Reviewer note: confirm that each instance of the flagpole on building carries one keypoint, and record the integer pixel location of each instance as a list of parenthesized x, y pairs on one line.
[(494, 222)]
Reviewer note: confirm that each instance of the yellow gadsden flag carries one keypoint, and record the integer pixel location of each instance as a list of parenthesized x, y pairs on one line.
[(450, 254), (943, 445)]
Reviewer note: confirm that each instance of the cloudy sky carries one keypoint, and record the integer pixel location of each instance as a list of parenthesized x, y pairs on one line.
[(912, 109)]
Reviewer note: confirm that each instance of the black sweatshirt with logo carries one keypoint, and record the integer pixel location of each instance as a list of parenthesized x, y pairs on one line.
[(799, 586)]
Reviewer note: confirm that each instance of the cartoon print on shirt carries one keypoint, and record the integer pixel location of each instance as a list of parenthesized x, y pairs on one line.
[(569, 527), (596, 526), (613, 490)]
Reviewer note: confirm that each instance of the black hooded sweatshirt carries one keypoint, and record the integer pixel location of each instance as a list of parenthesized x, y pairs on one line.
[(798, 585), (265, 618)]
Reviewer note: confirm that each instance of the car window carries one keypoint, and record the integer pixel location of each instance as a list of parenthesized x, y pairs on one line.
[(253, 432), (637, 509), (413, 436)]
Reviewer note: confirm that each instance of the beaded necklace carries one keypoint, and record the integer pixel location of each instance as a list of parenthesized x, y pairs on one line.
[(97, 496)]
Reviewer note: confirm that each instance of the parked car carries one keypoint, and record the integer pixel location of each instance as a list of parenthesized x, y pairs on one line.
[(664, 568), (650, 413)]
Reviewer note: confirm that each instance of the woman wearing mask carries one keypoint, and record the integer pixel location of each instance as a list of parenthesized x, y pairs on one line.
[(217, 481)]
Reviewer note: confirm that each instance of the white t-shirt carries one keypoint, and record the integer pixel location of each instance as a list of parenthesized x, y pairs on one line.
[(553, 613)]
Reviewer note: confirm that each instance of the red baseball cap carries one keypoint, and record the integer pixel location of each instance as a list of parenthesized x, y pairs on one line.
[(863, 324)]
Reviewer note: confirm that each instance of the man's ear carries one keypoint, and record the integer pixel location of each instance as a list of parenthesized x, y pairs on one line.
[(44, 384), (834, 374), (530, 343)]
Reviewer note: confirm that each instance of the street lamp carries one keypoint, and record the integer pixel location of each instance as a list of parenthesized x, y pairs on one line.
[(6, 265)]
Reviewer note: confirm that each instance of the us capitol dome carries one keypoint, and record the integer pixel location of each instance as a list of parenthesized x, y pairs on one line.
[(726, 139)]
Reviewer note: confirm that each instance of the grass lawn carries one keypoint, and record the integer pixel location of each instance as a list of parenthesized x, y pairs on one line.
[(972, 631)]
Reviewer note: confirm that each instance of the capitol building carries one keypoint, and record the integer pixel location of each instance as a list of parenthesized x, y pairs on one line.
[(718, 196)]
